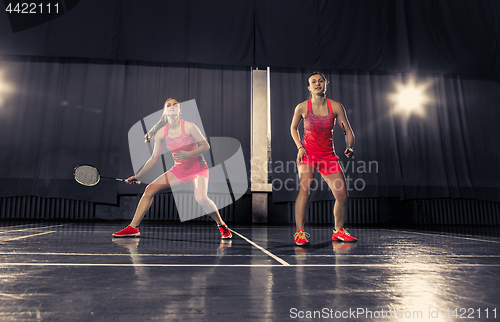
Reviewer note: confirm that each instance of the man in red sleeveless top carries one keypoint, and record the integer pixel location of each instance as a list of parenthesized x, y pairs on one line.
[(315, 153)]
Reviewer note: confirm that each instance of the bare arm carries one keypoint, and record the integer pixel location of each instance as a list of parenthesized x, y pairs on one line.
[(159, 141), (342, 120), (298, 115)]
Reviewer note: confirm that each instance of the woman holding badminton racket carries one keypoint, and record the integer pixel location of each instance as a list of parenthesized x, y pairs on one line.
[(187, 144), (315, 153)]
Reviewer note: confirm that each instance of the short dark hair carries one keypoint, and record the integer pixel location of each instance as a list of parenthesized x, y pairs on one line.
[(316, 73), (171, 98)]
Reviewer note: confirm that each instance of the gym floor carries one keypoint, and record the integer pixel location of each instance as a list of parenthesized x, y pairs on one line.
[(76, 271)]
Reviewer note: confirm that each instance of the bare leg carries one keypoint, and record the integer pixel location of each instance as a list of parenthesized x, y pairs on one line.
[(306, 175), (337, 184), (200, 194), (162, 183)]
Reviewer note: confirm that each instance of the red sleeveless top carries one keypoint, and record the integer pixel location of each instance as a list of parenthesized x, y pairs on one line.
[(318, 132), (184, 142)]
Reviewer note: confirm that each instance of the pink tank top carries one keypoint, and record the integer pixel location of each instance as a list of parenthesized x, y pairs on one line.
[(184, 142), (318, 132)]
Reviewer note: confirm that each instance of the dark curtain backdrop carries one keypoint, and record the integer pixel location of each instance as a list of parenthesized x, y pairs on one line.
[(195, 31), (58, 113), (450, 149), (359, 35), (114, 62), (437, 36)]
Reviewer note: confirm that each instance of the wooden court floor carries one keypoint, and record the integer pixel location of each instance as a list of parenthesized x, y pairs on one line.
[(76, 271)]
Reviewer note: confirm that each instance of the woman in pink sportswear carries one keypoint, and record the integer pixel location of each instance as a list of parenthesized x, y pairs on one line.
[(187, 144), (315, 153)]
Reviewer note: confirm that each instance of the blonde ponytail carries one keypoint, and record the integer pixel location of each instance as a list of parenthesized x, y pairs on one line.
[(161, 123)]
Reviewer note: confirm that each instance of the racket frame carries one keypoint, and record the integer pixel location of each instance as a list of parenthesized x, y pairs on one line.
[(85, 184), (98, 176)]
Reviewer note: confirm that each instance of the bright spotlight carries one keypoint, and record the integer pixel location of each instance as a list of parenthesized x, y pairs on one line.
[(5, 88), (409, 99)]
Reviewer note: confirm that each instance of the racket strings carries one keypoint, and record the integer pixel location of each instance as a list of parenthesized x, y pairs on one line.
[(87, 175)]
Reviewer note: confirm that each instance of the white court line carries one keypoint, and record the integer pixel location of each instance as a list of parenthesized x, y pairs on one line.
[(127, 255), (405, 266), (22, 237), (238, 255), (14, 226), (262, 249), (41, 227), (441, 235), (11, 296), (392, 255)]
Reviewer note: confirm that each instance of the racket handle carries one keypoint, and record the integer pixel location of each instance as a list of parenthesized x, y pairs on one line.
[(120, 179), (136, 181)]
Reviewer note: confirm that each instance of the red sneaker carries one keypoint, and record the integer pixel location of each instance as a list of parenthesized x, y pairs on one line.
[(128, 231), (300, 239), (225, 233), (343, 236)]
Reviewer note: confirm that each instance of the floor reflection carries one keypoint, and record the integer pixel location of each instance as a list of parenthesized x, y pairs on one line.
[(342, 248), (186, 272)]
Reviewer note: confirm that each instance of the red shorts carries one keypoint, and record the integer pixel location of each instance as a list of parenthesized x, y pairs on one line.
[(325, 165), (189, 174)]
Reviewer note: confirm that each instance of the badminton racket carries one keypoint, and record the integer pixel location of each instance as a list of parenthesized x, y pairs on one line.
[(88, 175)]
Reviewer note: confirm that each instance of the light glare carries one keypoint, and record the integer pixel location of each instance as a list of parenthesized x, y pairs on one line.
[(409, 99), (5, 88)]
